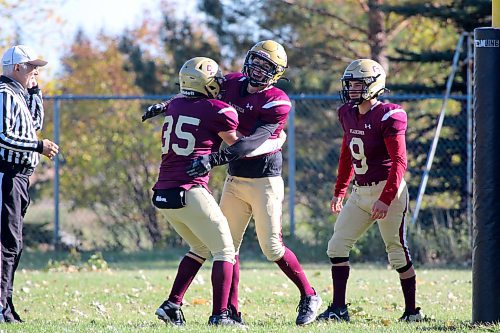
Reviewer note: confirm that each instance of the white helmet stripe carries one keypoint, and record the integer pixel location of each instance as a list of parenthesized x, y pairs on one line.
[(390, 113), (276, 103)]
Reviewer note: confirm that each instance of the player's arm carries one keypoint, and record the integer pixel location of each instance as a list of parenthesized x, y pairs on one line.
[(344, 175), (244, 145), (229, 137), (241, 147), (396, 147), (269, 146), (157, 109)]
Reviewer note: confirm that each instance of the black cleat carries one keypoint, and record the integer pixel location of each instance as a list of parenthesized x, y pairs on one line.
[(224, 319), (334, 313), (308, 309), (235, 315), (412, 316), (171, 313)]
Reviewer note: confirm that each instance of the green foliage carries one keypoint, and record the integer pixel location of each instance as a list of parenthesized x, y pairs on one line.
[(73, 263), (110, 158)]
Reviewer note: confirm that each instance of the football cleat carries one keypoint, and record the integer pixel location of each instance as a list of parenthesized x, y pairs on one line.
[(224, 319), (334, 313), (412, 316), (171, 313), (235, 315), (308, 309)]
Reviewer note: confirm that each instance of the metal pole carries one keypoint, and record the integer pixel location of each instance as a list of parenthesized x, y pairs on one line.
[(291, 169), (469, 64), (56, 174), (432, 150)]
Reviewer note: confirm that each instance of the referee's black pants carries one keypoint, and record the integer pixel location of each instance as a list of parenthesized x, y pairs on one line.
[(14, 200)]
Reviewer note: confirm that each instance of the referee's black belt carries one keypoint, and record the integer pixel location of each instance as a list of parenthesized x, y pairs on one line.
[(7, 167), (366, 183)]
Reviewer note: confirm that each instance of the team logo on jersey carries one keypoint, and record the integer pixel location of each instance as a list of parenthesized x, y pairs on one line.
[(249, 107), (354, 131), (368, 126), (238, 108)]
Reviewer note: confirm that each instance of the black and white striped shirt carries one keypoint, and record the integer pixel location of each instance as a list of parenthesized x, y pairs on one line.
[(21, 115)]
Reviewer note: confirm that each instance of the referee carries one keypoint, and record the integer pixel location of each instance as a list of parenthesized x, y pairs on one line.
[(21, 116)]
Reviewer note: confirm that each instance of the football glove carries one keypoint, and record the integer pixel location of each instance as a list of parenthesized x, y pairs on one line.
[(155, 110), (200, 166)]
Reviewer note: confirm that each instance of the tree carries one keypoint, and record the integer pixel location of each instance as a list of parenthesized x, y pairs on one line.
[(110, 161), (450, 164), (176, 41), (19, 20)]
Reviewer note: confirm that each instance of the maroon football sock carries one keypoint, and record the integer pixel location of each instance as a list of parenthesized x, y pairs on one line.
[(188, 267), (409, 287), (233, 294), (340, 274), (222, 272), (290, 265)]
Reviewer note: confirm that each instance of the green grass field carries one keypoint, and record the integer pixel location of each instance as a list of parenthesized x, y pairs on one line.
[(124, 298)]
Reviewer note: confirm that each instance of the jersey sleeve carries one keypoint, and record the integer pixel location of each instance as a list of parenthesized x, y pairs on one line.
[(396, 147), (394, 122), (276, 110), (225, 117)]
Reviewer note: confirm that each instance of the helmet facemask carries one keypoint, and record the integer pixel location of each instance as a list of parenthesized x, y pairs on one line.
[(260, 70), (265, 63), (372, 77), (367, 92)]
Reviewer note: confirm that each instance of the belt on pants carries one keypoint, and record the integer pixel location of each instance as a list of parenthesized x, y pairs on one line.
[(7, 167), (366, 183)]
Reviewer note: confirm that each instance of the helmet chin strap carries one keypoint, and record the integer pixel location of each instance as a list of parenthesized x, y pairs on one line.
[(256, 84)]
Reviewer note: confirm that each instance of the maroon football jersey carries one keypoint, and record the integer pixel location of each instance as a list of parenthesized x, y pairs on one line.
[(190, 130), (365, 137), (270, 105)]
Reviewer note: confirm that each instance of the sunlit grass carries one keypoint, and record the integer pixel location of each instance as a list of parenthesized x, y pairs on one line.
[(123, 299)]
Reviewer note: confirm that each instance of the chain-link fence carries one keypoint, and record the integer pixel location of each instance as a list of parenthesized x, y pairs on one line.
[(109, 161), (318, 136)]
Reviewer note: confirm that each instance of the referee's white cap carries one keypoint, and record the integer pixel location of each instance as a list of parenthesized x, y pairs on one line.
[(21, 54)]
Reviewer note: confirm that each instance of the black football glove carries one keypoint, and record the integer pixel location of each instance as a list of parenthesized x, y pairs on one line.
[(155, 110), (200, 166)]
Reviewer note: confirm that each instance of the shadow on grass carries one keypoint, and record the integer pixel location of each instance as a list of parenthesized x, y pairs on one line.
[(457, 326), (156, 259), (251, 257)]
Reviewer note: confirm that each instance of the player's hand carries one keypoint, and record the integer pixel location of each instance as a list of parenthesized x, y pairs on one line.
[(200, 166), (336, 204), (155, 110), (50, 149), (379, 210)]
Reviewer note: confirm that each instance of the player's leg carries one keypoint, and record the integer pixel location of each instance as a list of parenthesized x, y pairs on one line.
[(206, 221), (170, 310), (393, 231), (266, 200), (353, 221), (238, 213)]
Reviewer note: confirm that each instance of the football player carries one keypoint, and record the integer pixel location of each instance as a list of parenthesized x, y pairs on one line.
[(374, 150), (195, 125), (254, 187)]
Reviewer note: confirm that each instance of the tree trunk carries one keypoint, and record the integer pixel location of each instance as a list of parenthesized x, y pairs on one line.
[(377, 36)]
